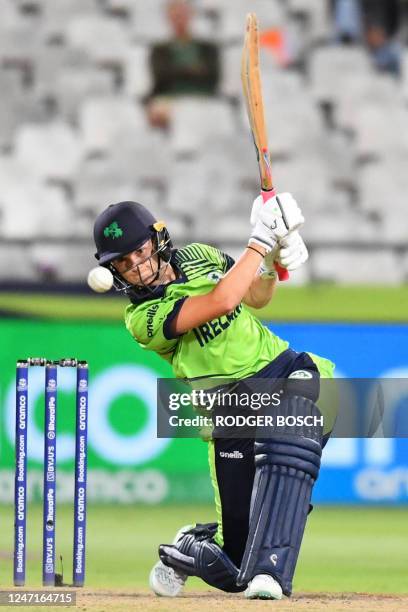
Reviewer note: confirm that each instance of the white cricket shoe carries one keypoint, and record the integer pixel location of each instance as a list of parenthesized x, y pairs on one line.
[(263, 586), (164, 580)]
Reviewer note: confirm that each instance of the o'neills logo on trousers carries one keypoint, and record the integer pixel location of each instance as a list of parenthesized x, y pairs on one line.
[(234, 455)]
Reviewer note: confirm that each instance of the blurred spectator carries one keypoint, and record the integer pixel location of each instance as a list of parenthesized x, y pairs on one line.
[(375, 22), (386, 13), (348, 22), (181, 66), (385, 51), (351, 17), (382, 23)]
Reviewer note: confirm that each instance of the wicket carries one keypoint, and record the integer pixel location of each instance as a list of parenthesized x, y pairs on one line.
[(50, 451)]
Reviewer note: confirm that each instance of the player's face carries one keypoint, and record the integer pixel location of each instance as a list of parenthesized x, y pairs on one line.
[(139, 267)]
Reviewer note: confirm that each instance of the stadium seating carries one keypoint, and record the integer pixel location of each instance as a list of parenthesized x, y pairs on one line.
[(315, 15), (352, 266), (103, 39), (197, 121), (22, 269), (35, 212), (232, 16), (104, 118), (74, 136), (65, 263), (335, 69), (136, 75), (56, 15), (148, 22), (51, 151)]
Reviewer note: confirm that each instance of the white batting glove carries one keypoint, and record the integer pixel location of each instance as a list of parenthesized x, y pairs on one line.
[(293, 252), (274, 219), (267, 269), (288, 207)]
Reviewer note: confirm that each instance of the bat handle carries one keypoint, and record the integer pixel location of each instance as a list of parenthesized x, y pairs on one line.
[(283, 274)]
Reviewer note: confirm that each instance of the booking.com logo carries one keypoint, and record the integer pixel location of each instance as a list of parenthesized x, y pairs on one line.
[(121, 449), (107, 442)]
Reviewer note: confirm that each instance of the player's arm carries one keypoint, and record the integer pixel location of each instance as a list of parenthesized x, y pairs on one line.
[(290, 254), (225, 296), (260, 291), (274, 223)]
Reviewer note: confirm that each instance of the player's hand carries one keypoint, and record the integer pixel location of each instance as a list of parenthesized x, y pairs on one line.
[(292, 253), (284, 204), (274, 219), (268, 269)]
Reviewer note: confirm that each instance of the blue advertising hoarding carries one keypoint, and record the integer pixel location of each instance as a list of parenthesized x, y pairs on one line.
[(356, 470), (129, 464)]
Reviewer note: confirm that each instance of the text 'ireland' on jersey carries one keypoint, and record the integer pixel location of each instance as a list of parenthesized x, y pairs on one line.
[(236, 344)]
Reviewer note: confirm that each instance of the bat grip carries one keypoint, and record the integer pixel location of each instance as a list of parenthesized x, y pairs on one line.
[(283, 274)]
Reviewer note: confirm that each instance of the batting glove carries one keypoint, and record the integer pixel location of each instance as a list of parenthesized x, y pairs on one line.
[(293, 252), (267, 268), (274, 219)]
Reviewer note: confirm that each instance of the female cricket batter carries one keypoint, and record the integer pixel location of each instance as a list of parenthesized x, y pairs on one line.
[(188, 305)]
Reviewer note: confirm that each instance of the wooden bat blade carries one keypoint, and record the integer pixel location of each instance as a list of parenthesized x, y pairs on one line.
[(252, 90)]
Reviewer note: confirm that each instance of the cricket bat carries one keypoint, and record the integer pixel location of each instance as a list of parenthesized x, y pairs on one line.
[(252, 90)]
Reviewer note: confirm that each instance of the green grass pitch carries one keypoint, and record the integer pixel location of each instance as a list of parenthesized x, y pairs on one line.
[(345, 549), (317, 302)]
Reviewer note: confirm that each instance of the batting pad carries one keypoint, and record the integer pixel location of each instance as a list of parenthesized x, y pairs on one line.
[(287, 466)]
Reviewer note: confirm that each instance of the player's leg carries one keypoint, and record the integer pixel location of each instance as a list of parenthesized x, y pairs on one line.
[(232, 474), (164, 580), (214, 551), (197, 554), (287, 466)]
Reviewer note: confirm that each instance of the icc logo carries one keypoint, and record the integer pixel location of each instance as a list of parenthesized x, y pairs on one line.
[(82, 385), (22, 384)]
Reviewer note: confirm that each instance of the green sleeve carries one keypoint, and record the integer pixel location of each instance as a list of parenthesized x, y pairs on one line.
[(203, 252), (149, 323)]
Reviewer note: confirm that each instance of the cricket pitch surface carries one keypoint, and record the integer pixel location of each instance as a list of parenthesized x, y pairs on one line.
[(203, 601)]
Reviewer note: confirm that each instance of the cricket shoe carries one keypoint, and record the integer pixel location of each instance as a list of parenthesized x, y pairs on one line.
[(263, 586), (164, 580)]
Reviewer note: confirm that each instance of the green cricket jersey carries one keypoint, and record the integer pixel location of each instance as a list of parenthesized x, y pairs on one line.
[(236, 345)]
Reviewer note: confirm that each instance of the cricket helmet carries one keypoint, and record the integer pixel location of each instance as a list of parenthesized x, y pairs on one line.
[(124, 227)]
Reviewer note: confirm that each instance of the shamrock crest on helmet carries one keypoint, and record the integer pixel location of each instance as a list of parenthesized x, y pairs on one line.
[(113, 231)]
